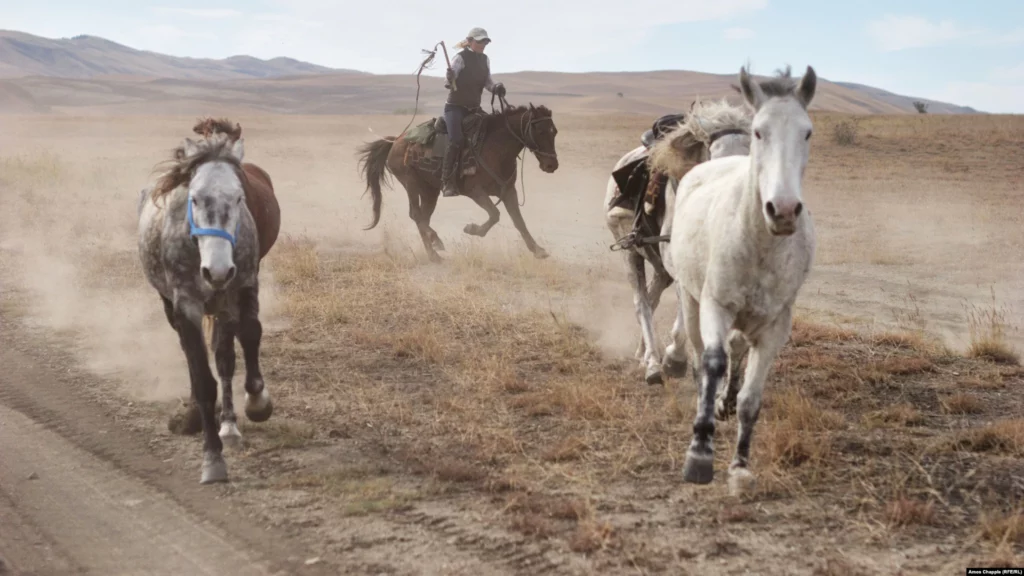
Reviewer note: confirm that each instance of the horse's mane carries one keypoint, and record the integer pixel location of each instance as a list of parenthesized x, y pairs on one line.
[(208, 126), (498, 118), (782, 84), (183, 167), (683, 147)]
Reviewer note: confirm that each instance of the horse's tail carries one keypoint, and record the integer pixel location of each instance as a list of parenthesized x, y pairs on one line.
[(373, 163), (208, 331)]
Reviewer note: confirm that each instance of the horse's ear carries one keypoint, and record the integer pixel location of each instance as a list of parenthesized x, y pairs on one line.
[(750, 89), (190, 147), (238, 149), (531, 107), (805, 91)]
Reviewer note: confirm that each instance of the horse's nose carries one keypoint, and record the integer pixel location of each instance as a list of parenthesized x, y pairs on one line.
[(218, 276), (783, 210)]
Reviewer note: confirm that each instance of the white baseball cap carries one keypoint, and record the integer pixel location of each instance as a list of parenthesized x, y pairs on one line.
[(478, 34)]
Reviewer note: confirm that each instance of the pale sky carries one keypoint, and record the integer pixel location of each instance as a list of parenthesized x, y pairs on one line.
[(964, 52)]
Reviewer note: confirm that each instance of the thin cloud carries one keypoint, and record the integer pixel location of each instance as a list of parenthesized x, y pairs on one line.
[(892, 33), (205, 13), (537, 35)]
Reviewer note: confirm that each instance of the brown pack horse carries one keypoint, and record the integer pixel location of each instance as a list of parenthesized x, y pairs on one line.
[(507, 132), (266, 213)]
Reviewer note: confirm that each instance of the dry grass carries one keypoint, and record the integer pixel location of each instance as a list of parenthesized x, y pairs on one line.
[(521, 405), (908, 511), (476, 398), (988, 327), (962, 403), (1002, 437), (844, 133)]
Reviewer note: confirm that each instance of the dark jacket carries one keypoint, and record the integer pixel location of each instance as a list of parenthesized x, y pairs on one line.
[(472, 75)]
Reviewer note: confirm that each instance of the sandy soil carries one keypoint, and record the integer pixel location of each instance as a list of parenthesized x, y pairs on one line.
[(918, 222)]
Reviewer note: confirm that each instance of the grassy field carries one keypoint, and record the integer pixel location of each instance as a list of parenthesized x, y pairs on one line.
[(486, 415)]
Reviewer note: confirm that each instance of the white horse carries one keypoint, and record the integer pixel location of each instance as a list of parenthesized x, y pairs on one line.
[(742, 245), (711, 130)]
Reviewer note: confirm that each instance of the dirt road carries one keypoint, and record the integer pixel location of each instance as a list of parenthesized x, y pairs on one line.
[(80, 495)]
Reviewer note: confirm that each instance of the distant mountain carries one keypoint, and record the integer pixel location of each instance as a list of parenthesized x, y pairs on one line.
[(907, 102), (23, 55), (87, 74)]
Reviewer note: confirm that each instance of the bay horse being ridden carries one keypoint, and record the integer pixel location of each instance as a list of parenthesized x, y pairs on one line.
[(258, 190), (505, 134)]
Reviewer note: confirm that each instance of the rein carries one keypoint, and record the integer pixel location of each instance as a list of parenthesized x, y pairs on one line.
[(526, 123)]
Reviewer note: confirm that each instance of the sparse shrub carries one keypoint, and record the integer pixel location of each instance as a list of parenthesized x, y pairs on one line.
[(921, 107), (988, 329), (845, 133), (908, 511), (961, 403)]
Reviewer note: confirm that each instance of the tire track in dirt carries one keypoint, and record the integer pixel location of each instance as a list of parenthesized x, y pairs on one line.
[(520, 555), (96, 497)]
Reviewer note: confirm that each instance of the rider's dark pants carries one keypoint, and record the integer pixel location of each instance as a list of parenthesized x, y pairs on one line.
[(453, 115)]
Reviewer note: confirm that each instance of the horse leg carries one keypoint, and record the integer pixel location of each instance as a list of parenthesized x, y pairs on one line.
[(224, 346), (258, 406), (715, 322), (427, 235), (188, 317), (658, 286), (484, 201), (644, 316), (674, 363), (428, 202), (725, 405), (511, 201), (765, 350), (187, 421)]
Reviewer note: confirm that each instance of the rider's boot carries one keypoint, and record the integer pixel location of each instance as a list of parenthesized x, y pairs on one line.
[(449, 186)]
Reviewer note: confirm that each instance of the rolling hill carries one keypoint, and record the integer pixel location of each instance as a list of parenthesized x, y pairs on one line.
[(89, 57), (91, 75)]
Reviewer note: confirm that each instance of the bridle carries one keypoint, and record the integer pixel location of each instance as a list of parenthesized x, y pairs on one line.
[(195, 231), (526, 124)]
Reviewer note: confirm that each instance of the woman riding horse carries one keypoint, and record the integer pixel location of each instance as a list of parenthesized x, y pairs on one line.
[(469, 74)]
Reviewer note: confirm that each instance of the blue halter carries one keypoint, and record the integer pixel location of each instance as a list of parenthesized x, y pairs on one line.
[(197, 231)]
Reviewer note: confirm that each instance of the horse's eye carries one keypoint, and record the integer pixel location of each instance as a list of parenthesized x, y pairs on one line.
[(757, 134), (809, 132)]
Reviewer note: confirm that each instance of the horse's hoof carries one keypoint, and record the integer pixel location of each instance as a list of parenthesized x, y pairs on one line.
[(214, 469), (258, 407), (472, 230), (186, 422), (673, 368), (654, 377), (724, 408), (438, 245), (541, 253), (742, 482), (699, 468), (435, 258), (230, 435)]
